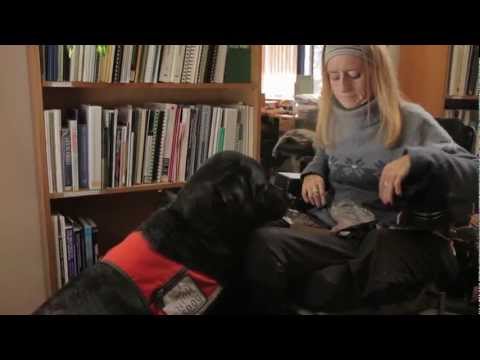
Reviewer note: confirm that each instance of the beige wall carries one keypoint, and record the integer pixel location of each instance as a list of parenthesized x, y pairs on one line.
[(22, 278)]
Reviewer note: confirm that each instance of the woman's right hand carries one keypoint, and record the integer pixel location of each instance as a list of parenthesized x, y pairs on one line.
[(313, 190)]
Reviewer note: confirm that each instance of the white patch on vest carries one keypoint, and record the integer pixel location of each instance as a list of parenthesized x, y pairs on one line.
[(185, 298)]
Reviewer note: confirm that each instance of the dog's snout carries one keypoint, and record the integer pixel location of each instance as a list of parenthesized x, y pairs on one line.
[(275, 202)]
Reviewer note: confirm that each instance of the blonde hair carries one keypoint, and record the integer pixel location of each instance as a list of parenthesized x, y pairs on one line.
[(381, 76)]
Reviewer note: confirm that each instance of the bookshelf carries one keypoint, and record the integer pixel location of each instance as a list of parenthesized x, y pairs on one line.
[(424, 75), (117, 211)]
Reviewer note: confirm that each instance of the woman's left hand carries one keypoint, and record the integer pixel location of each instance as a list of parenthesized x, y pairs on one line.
[(391, 179)]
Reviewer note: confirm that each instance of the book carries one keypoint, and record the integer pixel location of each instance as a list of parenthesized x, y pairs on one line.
[(122, 138), (72, 124), (250, 132), (63, 246), (192, 140), (161, 145), (114, 148), (48, 122), (140, 143), (91, 116), (150, 63), (473, 70), (174, 145), (151, 137), (60, 59), (125, 119), (166, 63), (205, 135), (191, 63), (73, 54), (66, 159), (177, 63), (170, 113), (158, 60), (106, 146), (158, 151), (57, 128), (77, 245), (214, 131), (203, 64), (57, 240), (219, 71), (84, 71), (455, 59), (237, 64), (183, 142), (66, 63), (198, 131), (96, 250), (230, 121), (110, 63), (88, 239), (71, 259), (133, 67), (138, 65), (211, 63), (126, 64), (130, 159), (125, 155), (82, 150), (221, 133), (117, 63)]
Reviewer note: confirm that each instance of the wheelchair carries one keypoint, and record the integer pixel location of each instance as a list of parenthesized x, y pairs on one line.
[(328, 291)]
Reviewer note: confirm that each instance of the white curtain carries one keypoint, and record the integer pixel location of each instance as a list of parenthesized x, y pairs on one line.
[(279, 71)]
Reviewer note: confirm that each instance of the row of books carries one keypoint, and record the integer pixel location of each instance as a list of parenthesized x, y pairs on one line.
[(191, 64), (76, 246), (93, 148), (463, 71)]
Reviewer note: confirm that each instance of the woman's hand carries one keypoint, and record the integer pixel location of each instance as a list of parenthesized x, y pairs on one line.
[(391, 179), (313, 190)]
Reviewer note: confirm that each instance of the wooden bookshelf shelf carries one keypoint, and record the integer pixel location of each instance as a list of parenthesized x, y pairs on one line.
[(118, 211), (102, 85), (461, 102), (465, 98), (120, 190), (424, 74)]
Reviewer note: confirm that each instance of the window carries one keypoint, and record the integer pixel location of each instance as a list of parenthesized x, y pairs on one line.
[(317, 69), (279, 71), (283, 63)]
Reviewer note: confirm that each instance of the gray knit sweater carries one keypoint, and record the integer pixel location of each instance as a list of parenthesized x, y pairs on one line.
[(353, 167)]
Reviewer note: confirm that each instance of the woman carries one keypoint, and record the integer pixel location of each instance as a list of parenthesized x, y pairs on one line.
[(374, 145)]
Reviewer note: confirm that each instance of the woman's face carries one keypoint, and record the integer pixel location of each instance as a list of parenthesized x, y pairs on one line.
[(346, 74)]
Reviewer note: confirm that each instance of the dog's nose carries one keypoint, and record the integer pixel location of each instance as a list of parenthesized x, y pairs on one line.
[(275, 202)]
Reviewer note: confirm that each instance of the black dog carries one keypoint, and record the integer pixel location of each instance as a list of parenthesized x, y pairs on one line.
[(185, 254)]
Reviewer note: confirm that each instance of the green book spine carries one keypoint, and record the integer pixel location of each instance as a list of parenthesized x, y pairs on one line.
[(238, 64), (221, 137)]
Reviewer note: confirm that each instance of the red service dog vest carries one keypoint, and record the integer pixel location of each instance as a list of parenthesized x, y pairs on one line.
[(168, 287)]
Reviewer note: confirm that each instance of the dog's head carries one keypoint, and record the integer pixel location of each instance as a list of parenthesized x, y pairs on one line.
[(208, 224), (229, 194)]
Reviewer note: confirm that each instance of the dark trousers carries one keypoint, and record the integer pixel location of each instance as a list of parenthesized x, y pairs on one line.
[(379, 266)]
